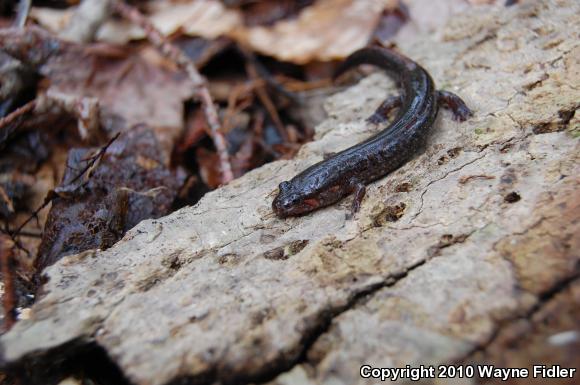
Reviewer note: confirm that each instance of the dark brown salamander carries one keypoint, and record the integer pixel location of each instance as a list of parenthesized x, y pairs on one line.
[(350, 170)]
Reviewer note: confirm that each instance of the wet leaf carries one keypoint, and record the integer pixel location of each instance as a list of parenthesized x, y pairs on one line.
[(130, 183)]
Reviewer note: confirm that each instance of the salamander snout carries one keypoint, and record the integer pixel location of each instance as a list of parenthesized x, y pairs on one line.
[(289, 203), (284, 201)]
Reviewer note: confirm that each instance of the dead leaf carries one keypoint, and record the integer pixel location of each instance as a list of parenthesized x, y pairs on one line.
[(205, 18), (120, 87), (328, 30), (128, 185), (54, 20)]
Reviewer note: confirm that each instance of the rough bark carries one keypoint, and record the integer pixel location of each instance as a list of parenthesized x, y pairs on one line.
[(477, 232)]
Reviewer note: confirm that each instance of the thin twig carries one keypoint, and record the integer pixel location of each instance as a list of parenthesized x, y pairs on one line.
[(93, 159), (13, 234), (254, 74), (182, 60), (267, 103), (15, 240), (7, 129), (233, 107), (295, 85), (22, 13), (11, 117), (270, 80), (22, 233), (6, 262)]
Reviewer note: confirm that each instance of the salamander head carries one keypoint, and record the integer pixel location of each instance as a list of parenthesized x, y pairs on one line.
[(292, 202)]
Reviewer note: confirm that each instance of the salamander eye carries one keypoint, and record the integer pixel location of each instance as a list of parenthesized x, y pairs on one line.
[(284, 186), (294, 199), (290, 201)]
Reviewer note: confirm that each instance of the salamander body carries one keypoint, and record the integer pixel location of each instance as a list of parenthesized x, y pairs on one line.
[(349, 171)]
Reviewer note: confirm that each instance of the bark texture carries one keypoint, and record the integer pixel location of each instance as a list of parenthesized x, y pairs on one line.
[(448, 255)]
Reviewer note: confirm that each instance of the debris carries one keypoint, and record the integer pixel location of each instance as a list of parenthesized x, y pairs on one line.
[(104, 194)]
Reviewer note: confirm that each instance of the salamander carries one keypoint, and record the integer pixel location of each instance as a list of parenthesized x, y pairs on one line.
[(349, 171)]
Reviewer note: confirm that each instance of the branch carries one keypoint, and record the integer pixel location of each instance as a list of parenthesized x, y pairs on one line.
[(264, 97), (7, 124), (93, 159)]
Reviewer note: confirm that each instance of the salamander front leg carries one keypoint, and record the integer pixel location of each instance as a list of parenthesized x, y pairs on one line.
[(454, 103), (359, 190), (381, 113)]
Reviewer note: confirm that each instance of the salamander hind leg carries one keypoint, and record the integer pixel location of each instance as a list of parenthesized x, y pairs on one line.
[(380, 114), (359, 190), (454, 103)]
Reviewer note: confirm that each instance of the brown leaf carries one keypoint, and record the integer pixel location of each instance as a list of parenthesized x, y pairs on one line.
[(328, 30), (139, 88), (206, 18), (128, 185)]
